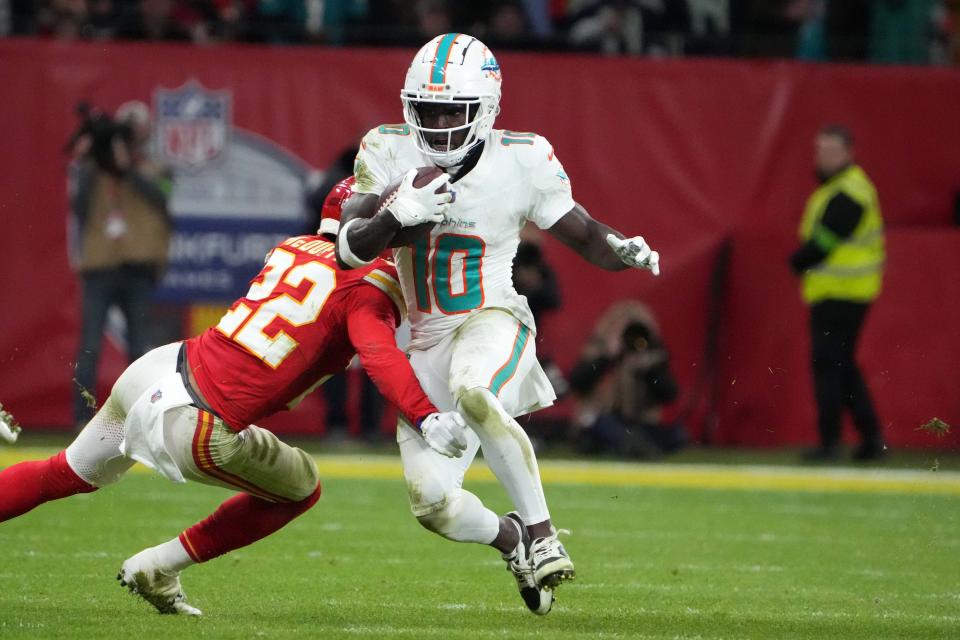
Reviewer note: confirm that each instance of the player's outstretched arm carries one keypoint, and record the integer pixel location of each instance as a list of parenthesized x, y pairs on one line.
[(371, 327), (363, 235), (603, 245)]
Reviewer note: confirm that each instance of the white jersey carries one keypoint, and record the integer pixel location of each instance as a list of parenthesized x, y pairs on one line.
[(467, 262)]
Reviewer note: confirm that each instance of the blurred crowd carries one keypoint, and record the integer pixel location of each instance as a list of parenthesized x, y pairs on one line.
[(895, 31)]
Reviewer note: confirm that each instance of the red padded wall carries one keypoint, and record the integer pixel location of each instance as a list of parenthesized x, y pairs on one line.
[(690, 153)]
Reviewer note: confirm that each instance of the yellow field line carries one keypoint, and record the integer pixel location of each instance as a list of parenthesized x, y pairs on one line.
[(692, 476)]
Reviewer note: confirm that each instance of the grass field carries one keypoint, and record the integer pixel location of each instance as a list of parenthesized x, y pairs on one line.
[(662, 551)]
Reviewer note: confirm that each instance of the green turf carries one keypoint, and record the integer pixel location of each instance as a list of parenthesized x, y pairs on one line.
[(652, 563)]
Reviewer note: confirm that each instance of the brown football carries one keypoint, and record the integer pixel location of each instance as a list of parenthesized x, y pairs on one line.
[(409, 235)]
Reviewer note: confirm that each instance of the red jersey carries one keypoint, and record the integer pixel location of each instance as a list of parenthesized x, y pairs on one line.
[(302, 321)]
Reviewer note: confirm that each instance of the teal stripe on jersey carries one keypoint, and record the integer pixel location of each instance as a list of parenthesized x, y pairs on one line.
[(439, 74), (506, 371)]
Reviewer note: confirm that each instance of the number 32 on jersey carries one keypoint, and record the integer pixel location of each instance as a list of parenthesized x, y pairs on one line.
[(245, 323), (448, 270)]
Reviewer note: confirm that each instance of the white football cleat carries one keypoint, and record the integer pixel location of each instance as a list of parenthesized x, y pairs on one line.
[(143, 576), (550, 563), (9, 429), (538, 600)]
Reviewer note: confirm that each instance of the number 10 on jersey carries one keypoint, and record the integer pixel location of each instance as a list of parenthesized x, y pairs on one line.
[(440, 263)]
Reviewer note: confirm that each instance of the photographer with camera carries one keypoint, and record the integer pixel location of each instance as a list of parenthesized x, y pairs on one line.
[(621, 382), (121, 230)]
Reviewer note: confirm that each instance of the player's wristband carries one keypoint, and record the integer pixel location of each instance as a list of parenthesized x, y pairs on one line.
[(343, 248)]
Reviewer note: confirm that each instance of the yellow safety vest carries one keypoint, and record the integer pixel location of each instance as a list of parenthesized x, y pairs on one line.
[(853, 268)]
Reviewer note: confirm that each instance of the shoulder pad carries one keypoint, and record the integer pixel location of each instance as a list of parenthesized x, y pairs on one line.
[(531, 149)]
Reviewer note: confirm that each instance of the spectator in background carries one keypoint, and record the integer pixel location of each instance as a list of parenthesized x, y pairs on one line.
[(770, 27), (609, 26), (18, 18), (232, 17), (389, 22), (811, 15), (510, 24), (535, 279), (119, 208), (103, 18), (507, 25), (847, 24), (708, 25), (66, 20), (906, 31), (279, 21), (639, 27), (341, 168), (152, 20), (331, 20), (622, 382), (199, 18), (840, 262), (433, 18)]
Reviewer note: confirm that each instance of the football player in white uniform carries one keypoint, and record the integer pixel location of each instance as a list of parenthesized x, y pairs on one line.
[(472, 343)]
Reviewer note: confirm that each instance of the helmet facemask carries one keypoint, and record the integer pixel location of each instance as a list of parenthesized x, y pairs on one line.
[(448, 146)]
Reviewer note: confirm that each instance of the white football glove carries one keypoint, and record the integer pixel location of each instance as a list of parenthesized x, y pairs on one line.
[(635, 252), (445, 433), (412, 206), (9, 429)]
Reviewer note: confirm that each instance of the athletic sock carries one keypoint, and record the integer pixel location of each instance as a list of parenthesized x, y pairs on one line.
[(173, 556), (27, 485), (238, 522)]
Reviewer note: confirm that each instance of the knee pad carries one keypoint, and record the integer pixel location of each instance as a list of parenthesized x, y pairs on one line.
[(95, 454), (311, 478), (442, 520), (476, 404), (485, 415), (428, 493)]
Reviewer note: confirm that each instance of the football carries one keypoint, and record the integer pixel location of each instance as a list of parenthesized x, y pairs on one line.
[(409, 235)]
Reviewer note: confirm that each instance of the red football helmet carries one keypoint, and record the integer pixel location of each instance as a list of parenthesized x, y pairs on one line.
[(333, 207)]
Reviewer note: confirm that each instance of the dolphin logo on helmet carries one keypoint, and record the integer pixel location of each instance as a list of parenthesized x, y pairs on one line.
[(459, 71)]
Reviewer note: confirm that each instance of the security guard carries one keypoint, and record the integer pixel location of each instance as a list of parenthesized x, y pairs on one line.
[(841, 267)]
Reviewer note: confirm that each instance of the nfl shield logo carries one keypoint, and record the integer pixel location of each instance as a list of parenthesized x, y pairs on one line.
[(156, 396), (193, 124)]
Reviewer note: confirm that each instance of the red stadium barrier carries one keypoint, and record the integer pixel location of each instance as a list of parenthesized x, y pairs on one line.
[(690, 154)]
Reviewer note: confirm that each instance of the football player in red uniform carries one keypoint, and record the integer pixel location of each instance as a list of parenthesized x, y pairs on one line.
[(187, 409)]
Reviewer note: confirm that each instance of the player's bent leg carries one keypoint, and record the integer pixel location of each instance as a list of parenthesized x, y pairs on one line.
[(279, 482), (492, 358), (507, 450), (494, 374), (434, 489), (95, 454), (461, 517), (253, 460), (91, 461)]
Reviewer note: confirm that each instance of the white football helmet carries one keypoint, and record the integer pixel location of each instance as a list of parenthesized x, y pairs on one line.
[(453, 69)]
